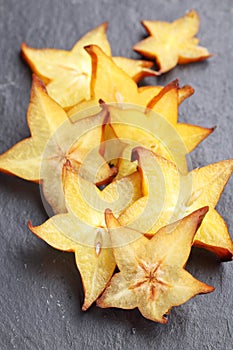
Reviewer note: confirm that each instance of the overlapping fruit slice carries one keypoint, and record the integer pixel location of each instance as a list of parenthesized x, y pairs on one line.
[(83, 231), (163, 193), (67, 74), (154, 130), (79, 142), (54, 139), (157, 131), (177, 195), (152, 275), (172, 43), (112, 85)]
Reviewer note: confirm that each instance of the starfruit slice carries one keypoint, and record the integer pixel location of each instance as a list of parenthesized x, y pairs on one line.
[(152, 275), (83, 231), (118, 86), (173, 43), (67, 74), (156, 130), (54, 139), (164, 108), (78, 141), (130, 127), (175, 196), (112, 85)]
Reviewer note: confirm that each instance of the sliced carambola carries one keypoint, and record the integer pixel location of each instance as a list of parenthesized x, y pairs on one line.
[(152, 275), (172, 43)]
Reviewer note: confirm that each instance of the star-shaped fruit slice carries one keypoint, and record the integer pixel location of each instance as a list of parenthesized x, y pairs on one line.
[(83, 231), (173, 43), (121, 89), (137, 129), (162, 189), (78, 141), (54, 139), (152, 275), (156, 130), (112, 85), (175, 196), (67, 74)]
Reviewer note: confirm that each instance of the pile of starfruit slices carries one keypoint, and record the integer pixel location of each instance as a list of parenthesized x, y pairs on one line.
[(110, 158)]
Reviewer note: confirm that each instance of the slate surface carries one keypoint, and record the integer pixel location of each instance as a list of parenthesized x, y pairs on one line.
[(40, 290)]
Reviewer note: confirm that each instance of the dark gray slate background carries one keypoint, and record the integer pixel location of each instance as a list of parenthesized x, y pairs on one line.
[(40, 289)]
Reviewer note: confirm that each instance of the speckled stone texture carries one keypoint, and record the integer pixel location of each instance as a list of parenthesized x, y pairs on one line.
[(40, 288)]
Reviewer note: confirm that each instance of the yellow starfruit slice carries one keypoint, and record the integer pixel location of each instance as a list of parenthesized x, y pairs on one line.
[(173, 43), (108, 81), (164, 191), (180, 195), (112, 85), (67, 74), (54, 139), (83, 231), (119, 86), (135, 127), (79, 142), (152, 277), (140, 133)]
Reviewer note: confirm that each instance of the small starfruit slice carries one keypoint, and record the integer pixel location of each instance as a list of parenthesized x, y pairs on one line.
[(67, 74), (180, 195), (83, 231), (173, 43), (152, 275)]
